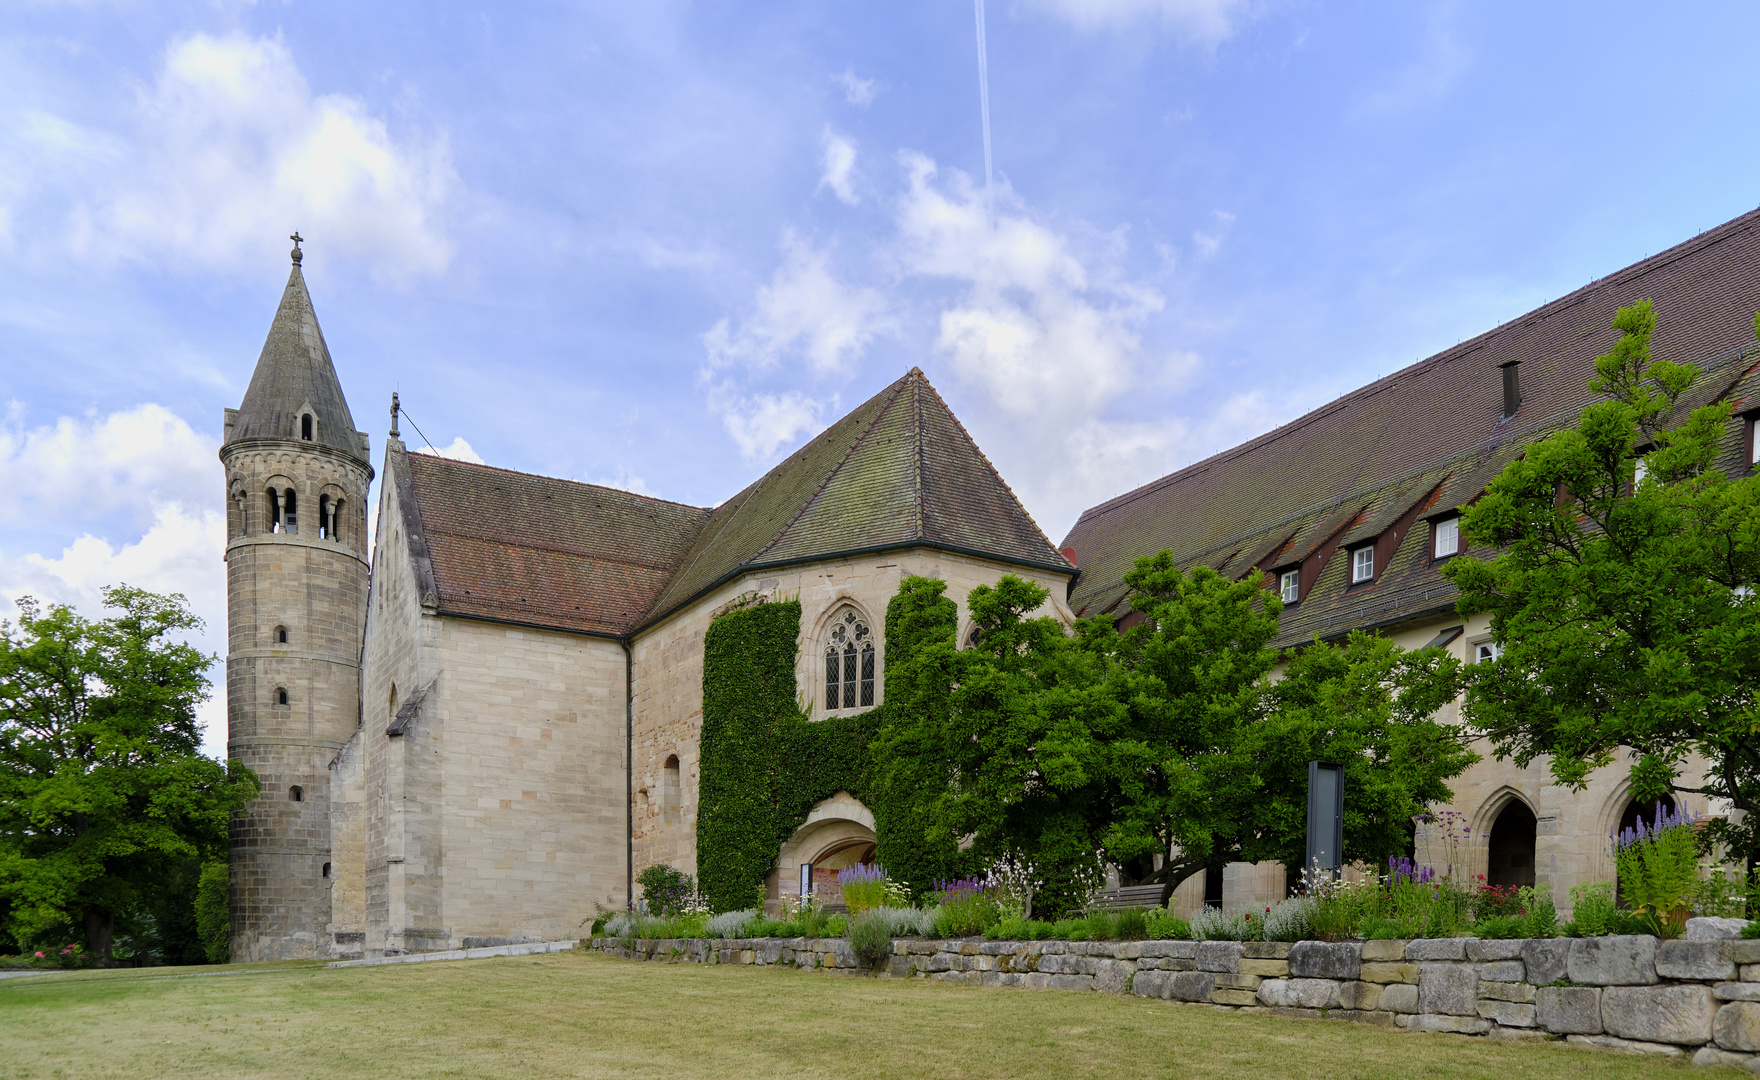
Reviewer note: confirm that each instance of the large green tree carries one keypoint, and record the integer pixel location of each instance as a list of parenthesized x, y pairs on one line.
[(1215, 768), (1622, 596), (1171, 748), (103, 789)]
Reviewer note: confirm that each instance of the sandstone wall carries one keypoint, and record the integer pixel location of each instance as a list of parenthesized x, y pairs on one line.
[(669, 670)]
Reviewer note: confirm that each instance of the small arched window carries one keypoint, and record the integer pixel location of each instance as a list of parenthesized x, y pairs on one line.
[(294, 794), (849, 663), (281, 635), (281, 695), (326, 870), (669, 787), (306, 426), (334, 529), (324, 517)]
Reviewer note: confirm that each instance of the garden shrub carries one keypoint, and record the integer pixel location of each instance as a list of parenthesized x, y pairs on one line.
[(1539, 915), (1163, 926), (733, 924), (666, 890), (1212, 925), (967, 908), (1592, 908), (1290, 920), (1659, 869), (863, 887), (1498, 927), (870, 937)]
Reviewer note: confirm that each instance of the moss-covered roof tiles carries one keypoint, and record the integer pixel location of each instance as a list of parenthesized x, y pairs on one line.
[(1439, 421)]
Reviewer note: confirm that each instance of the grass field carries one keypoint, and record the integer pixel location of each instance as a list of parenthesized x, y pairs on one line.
[(578, 1015)]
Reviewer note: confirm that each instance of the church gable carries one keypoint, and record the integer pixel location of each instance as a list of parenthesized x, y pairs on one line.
[(898, 471)]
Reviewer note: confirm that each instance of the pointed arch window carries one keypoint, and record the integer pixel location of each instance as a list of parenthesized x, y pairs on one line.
[(849, 663)]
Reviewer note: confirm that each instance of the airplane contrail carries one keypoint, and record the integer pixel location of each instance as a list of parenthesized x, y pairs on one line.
[(984, 92)]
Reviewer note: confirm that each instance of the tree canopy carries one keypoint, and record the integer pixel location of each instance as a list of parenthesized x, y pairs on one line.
[(102, 783), (1623, 595), (1172, 743)]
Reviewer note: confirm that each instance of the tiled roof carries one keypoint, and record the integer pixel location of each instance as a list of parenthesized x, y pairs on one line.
[(513, 547), (898, 470), (1360, 462), (295, 370)]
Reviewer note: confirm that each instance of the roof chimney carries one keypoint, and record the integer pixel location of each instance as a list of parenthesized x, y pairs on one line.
[(1512, 388)]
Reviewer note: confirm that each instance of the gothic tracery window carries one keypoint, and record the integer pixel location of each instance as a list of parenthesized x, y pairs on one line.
[(849, 663)]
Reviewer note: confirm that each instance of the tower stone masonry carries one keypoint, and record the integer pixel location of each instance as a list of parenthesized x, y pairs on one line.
[(297, 474)]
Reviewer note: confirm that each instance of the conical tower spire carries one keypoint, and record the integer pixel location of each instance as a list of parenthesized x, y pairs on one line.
[(295, 380)]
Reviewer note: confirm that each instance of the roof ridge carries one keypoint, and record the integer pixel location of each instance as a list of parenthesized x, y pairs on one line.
[(557, 479), (1458, 351), (891, 391)]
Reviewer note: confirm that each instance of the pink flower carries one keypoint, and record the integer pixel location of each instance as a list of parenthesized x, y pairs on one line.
[(39, 954)]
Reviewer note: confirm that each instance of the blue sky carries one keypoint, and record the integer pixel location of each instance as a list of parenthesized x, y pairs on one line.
[(659, 245)]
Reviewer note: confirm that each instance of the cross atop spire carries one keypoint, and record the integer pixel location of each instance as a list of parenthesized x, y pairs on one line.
[(297, 253)]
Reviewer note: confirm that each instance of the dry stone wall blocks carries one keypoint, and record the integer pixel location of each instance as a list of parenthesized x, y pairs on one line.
[(1674, 999)]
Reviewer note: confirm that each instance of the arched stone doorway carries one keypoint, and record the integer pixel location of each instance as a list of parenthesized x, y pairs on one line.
[(838, 833), (1509, 858)]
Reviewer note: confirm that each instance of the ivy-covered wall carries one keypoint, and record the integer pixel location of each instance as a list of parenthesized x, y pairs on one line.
[(764, 765)]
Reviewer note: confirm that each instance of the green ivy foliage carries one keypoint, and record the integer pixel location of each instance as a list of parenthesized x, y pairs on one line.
[(765, 765)]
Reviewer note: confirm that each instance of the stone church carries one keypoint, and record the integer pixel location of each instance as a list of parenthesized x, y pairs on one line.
[(477, 725)]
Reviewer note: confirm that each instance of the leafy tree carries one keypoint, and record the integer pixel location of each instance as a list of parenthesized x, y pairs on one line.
[(1171, 740), (102, 784), (1215, 769), (1001, 746), (213, 919), (1623, 598)]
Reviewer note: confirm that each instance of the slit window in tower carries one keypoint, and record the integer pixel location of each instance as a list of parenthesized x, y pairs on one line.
[(305, 427), (281, 695), (281, 635), (290, 516), (294, 794), (324, 517), (326, 871), (335, 518), (275, 525)]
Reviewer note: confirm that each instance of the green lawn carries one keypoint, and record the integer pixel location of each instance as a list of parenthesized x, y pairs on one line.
[(578, 1015)]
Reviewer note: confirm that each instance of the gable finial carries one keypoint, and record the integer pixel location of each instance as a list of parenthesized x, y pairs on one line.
[(297, 253), (394, 434)]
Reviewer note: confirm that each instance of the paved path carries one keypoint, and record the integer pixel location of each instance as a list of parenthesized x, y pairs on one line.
[(461, 954)]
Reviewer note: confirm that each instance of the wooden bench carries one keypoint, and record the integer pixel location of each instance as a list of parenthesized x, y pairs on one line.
[(1130, 896)]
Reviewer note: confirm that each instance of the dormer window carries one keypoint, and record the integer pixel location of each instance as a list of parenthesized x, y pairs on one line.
[(1445, 538), (1289, 585), (1363, 564), (308, 424)]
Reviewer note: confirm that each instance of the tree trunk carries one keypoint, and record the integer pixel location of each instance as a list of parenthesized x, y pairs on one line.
[(100, 932)]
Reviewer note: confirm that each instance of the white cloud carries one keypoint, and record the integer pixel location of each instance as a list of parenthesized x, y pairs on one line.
[(457, 450), (625, 481), (838, 160), (1205, 22), (84, 468), (1043, 335), (858, 92), (225, 153), (135, 497), (1209, 243), (761, 424), (804, 310), (1440, 62)]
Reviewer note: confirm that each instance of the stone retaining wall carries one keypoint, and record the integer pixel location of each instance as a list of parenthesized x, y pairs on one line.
[(1635, 994)]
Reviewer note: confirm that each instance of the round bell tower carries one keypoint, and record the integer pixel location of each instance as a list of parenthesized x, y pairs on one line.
[(296, 587)]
